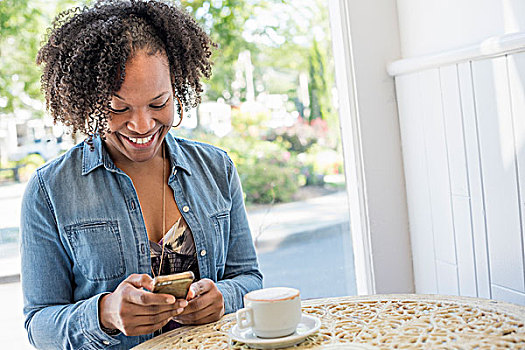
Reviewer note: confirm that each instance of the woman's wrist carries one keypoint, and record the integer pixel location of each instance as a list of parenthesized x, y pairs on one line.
[(110, 332), (105, 323)]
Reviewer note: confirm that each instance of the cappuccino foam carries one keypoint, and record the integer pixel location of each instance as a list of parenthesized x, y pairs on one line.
[(272, 294)]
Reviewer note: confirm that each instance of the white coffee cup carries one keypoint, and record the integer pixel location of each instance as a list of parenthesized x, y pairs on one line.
[(271, 312)]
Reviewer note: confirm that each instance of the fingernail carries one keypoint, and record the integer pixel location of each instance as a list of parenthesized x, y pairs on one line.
[(183, 303), (179, 310), (170, 300)]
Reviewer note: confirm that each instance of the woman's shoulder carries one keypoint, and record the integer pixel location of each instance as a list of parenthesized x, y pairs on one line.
[(193, 148), (68, 162), (198, 145), (56, 172)]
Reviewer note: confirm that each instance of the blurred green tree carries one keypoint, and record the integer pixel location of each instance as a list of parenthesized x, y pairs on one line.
[(317, 89), (224, 21), (20, 28), (278, 33), (23, 25)]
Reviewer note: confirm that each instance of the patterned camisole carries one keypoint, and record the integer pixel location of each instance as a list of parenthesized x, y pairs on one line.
[(179, 256)]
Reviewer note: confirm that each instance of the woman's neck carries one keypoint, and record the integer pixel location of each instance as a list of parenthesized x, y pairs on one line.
[(149, 166)]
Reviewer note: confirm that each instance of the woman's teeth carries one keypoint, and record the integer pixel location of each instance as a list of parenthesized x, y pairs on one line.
[(141, 140)]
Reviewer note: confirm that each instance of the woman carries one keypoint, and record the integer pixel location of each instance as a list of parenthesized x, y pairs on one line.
[(132, 201)]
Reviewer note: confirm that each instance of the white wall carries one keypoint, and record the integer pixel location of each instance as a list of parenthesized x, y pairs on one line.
[(432, 26), (463, 140), (464, 150), (461, 106)]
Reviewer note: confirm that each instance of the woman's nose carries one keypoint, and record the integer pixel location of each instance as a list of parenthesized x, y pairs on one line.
[(141, 122)]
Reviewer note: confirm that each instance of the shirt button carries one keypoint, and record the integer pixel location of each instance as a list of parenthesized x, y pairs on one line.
[(203, 252), (185, 209), (175, 172), (105, 342)]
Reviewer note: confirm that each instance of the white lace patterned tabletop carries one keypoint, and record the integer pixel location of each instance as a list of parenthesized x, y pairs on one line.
[(395, 321)]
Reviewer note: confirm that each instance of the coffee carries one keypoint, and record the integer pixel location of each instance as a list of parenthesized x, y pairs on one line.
[(271, 312), (272, 294)]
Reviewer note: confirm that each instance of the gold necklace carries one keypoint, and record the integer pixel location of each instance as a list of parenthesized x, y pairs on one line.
[(163, 213)]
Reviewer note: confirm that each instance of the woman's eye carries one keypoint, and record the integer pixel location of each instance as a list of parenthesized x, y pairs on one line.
[(114, 110), (159, 106)]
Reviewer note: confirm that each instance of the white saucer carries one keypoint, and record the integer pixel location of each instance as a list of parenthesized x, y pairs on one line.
[(308, 326)]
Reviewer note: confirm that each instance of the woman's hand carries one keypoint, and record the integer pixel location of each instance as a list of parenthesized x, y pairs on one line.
[(206, 304), (135, 311)]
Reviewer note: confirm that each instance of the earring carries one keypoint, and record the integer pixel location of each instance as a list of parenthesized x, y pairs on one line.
[(181, 111)]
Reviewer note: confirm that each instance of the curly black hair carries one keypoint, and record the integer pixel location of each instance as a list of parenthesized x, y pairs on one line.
[(87, 48)]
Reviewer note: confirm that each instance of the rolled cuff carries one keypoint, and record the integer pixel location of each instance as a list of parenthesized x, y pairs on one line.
[(90, 324)]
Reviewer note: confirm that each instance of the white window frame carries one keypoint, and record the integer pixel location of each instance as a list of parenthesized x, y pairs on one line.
[(365, 36)]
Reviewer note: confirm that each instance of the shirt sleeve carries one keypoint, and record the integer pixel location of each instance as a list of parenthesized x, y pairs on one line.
[(53, 319), (242, 273)]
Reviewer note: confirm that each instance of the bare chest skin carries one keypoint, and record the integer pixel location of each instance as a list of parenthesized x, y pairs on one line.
[(148, 183)]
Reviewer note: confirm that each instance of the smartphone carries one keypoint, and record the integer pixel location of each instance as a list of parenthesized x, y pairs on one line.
[(177, 284)]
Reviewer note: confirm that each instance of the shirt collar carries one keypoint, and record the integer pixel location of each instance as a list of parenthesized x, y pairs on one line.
[(100, 156), (92, 159), (178, 158)]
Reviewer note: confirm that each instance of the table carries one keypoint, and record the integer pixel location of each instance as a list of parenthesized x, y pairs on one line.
[(394, 321)]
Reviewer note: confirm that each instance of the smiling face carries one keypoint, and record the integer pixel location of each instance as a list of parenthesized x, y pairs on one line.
[(142, 111)]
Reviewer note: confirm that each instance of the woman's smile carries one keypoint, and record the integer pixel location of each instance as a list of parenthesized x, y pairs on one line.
[(141, 142)]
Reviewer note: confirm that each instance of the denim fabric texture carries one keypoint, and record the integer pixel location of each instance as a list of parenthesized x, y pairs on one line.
[(82, 233)]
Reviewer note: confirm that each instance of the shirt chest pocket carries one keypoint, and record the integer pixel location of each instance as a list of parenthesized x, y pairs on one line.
[(97, 249), (221, 222)]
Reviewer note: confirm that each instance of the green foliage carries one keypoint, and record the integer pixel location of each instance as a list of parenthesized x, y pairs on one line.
[(285, 38), (312, 147), (22, 27), (318, 162), (28, 165), (22, 168), (268, 172), (268, 182), (20, 24), (249, 126), (299, 137), (317, 87), (224, 21), (7, 173), (274, 163), (280, 48)]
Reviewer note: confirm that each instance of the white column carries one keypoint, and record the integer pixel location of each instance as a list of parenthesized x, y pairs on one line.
[(365, 40)]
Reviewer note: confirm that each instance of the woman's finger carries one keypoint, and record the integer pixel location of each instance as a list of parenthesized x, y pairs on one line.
[(212, 297), (210, 314), (140, 281), (145, 298), (200, 287), (149, 320), (202, 307), (133, 309)]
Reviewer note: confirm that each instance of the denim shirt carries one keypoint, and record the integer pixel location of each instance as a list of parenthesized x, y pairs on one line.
[(83, 233)]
